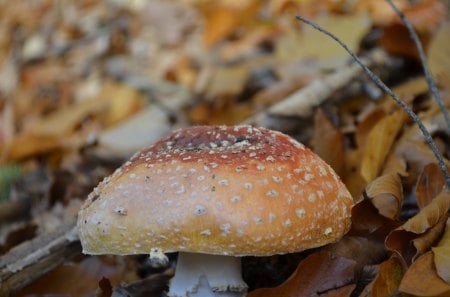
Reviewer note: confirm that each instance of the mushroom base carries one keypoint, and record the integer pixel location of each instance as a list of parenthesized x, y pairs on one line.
[(202, 275)]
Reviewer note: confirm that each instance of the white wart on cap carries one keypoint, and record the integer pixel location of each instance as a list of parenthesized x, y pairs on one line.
[(217, 190)]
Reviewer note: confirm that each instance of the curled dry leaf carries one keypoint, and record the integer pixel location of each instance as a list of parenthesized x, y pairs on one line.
[(430, 183), (366, 219), (328, 142), (422, 230), (442, 255), (379, 143), (421, 279), (318, 273), (430, 214), (425, 241), (386, 194)]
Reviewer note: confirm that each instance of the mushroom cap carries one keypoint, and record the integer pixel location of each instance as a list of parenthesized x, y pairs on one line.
[(223, 190)]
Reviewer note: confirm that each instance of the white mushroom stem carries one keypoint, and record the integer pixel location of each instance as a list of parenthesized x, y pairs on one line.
[(202, 275)]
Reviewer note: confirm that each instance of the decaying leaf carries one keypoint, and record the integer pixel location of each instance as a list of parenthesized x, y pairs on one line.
[(318, 273), (379, 143), (328, 142), (439, 55), (386, 194), (425, 241), (388, 279), (223, 17), (421, 279), (76, 279), (422, 229), (430, 183), (355, 248), (366, 125), (442, 255), (430, 214), (310, 44)]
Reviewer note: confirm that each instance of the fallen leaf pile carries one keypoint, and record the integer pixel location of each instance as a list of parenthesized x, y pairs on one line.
[(85, 84)]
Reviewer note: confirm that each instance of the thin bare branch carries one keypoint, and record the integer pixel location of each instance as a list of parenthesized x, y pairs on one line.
[(423, 60), (27, 262)]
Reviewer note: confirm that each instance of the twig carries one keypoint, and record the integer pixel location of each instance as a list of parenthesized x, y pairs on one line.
[(32, 259), (302, 102), (386, 89), (423, 60)]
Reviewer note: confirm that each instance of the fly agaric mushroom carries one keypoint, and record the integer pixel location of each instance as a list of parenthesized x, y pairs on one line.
[(214, 194)]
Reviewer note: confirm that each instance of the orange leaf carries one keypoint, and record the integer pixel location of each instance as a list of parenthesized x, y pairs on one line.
[(328, 142), (319, 272), (421, 279), (74, 279), (388, 278), (222, 18), (430, 183)]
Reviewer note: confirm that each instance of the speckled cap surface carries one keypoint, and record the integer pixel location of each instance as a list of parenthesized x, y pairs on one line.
[(221, 190)]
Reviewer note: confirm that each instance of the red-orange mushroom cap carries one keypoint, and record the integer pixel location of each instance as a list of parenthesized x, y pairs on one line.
[(218, 190)]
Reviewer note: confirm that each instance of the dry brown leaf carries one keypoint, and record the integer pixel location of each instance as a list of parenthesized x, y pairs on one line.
[(388, 279), (430, 183), (366, 219), (386, 194), (425, 241), (227, 80), (74, 279), (352, 178), (123, 101), (422, 230), (423, 15), (395, 165), (379, 143), (63, 121), (442, 255), (277, 91), (421, 279), (356, 247), (328, 142), (319, 272), (430, 214), (439, 55), (24, 146), (366, 125), (223, 17)]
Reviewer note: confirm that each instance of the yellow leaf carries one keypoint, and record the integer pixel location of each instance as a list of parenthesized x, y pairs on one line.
[(439, 55), (442, 255), (63, 121), (311, 44), (378, 144), (388, 278)]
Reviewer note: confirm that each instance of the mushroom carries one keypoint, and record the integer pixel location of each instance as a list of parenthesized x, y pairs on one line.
[(215, 194)]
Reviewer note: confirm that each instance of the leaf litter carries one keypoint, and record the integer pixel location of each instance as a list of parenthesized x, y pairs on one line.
[(87, 83)]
